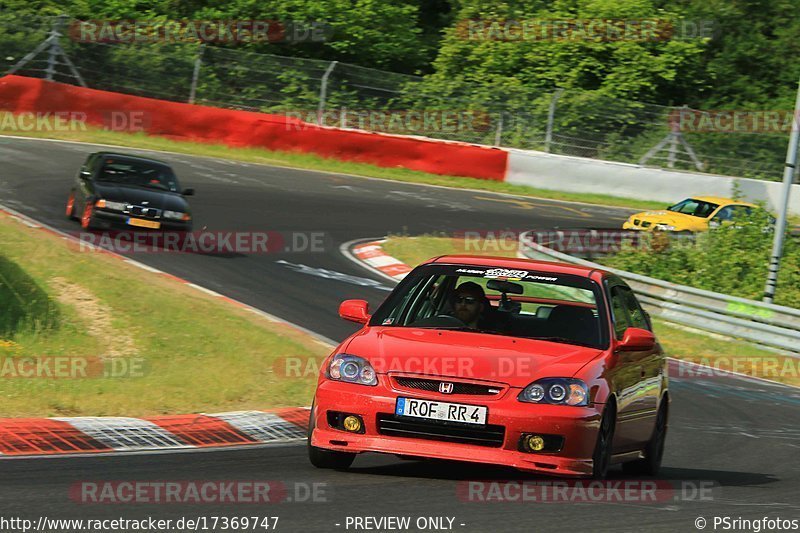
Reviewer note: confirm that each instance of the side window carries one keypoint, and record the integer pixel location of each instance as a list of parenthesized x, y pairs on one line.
[(741, 211), (619, 315), (726, 213), (635, 312)]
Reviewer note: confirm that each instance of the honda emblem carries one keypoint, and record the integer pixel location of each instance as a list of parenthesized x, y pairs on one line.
[(445, 388)]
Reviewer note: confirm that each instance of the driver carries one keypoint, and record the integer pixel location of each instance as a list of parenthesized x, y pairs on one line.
[(468, 303)]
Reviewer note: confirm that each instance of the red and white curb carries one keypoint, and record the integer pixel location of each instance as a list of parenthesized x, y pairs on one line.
[(371, 255), (82, 435), (86, 435)]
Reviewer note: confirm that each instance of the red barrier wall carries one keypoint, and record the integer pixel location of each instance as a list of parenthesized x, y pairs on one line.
[(242, 128)]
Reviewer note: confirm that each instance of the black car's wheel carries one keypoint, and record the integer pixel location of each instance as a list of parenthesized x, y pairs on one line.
[(601, 459), (71, 206), (654, 452), (87, 219), (326, 458)]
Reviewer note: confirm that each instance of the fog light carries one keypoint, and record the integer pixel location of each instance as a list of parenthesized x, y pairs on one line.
[(534, 443), (352, 423)]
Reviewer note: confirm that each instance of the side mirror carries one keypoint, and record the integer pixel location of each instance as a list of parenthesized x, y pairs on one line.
[(188, 192), (355, 311), (85, 174), (636, 339)]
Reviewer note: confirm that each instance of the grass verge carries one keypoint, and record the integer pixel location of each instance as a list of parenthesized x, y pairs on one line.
[(313, 162), (178, 350), (678, 342)]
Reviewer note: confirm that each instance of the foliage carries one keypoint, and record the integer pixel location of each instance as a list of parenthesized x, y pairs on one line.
[(732, 260)]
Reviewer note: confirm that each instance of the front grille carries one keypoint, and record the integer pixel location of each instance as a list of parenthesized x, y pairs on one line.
[(145, 212), (432, 385), (397, 426)]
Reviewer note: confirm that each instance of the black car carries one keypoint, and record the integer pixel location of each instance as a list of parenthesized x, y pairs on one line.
[(116, 190)]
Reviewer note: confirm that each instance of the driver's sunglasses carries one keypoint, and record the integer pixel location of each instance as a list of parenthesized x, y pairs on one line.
[(469, 300)]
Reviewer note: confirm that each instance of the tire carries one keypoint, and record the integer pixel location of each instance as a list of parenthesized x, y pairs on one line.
[(654, 451), (70, 211), (601, 458), (87, 219), (325, 458)]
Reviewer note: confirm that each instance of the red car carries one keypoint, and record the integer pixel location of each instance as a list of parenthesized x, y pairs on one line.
[(544, 367)]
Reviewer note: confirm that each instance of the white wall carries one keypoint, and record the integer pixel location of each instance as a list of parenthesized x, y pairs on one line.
[(578, 174)]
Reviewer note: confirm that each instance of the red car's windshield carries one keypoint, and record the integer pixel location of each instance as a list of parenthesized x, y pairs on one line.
[(518, 303)]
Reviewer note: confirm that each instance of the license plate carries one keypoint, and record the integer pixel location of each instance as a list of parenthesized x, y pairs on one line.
[(144, 223), (444, 411)]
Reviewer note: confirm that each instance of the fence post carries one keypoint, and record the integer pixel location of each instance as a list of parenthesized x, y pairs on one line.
[(323, 91), (52, 52), (198, 62), (498, 135), (551, 117)]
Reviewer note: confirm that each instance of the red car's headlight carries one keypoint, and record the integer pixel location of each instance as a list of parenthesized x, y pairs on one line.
[(559, 391), (352, 369)]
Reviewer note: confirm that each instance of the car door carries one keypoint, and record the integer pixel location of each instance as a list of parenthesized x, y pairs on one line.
[(628, 375), (651, 361)]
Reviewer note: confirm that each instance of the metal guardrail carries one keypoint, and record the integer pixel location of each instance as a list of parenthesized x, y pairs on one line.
[(769, 325)]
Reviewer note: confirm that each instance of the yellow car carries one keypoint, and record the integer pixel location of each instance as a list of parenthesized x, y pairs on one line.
[(699, 213)]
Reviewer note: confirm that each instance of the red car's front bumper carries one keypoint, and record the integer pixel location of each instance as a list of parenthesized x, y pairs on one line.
[(577, 425)]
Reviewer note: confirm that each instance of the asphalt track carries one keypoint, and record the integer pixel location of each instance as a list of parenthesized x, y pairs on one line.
[(741, 437)]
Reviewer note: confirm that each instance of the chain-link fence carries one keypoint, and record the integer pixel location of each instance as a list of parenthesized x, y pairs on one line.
[(577, 123)]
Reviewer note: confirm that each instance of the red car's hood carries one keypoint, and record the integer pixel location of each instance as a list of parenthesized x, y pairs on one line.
[(510, 360)]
